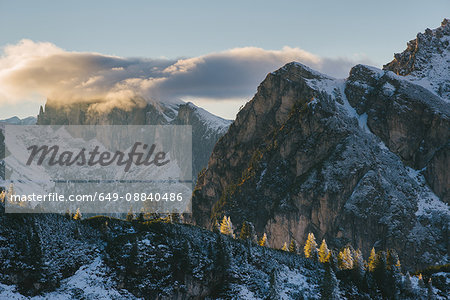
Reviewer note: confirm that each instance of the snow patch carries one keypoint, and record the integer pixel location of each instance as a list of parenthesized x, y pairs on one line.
[(211, 121), (258, 185), (245, 293), (89, 282), (362, 119), (388, 89), (428, 202), (292, 281)]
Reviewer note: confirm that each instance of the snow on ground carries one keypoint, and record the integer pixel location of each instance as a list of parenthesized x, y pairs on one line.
[(428, 202), (362, 119), (292, 281), (324, 84), (245, 293), (214, 122), (388, 89), (89, 282), (435, 75)]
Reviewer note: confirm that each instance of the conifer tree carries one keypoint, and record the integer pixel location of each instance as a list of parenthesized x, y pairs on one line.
[(345, 259), (131, 262), (310, 248), (421, 283), (263, 241), (391, 259), (293, 247), (430, 293), (372, 260), (407, 286), (77, 215), (140, 217), (381, 275), (358, 266), (273, 285), (394, 277), (175, 217), (216, 227), (33, 256), (185, 257), (77, 232), (246, 231), (222, 260), (130, 215), (324, 252), (329, 285), (226, 227), (284, 248)]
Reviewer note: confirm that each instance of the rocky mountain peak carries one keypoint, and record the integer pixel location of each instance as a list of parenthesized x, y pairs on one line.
[(426, 60), (206, 127), (355, 161), (295, 71)]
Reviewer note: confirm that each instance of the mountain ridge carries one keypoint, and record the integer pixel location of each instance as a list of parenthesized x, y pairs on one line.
[(206, 127), (310, 153)]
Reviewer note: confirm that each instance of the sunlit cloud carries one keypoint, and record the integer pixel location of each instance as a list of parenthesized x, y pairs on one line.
[(31, 68)]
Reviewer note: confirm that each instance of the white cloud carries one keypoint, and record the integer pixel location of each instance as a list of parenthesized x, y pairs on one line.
[(29, 68)]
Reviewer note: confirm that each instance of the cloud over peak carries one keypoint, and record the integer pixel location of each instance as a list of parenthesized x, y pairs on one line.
[(39, 68)]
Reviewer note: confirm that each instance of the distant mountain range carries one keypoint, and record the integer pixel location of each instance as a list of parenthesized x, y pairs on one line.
[(206, 127), (18, 121)]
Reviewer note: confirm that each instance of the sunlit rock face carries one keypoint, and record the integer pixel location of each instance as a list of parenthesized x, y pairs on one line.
[(361, 161)]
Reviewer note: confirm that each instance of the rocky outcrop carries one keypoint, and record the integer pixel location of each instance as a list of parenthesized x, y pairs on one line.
[(344, 159), (426, 60), (437, 174), (412, 121), (254, 125)]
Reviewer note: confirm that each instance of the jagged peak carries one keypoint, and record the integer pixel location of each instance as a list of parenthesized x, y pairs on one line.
[(18, 121), (301, 70), (365, 72), (209, 119), (425, 60)]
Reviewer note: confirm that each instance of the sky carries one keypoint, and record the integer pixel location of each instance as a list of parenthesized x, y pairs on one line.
[(211, 53)]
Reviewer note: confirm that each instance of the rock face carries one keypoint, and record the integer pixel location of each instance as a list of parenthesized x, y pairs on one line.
[(426, 60), (349, 160), (412, 121), (206, 127)]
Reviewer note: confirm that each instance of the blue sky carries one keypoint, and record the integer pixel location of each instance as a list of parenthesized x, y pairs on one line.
[(357, 30)]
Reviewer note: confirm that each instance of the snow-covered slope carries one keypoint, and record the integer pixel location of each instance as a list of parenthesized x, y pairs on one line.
[(426, 60), (52, 257), (215, 123)]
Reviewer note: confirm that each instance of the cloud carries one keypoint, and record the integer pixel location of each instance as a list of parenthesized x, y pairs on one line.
[(33, 68)]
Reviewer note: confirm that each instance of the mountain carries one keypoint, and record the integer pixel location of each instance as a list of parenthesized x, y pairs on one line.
[(426, 60), (18, 121), (206, 127), (362, 160)]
